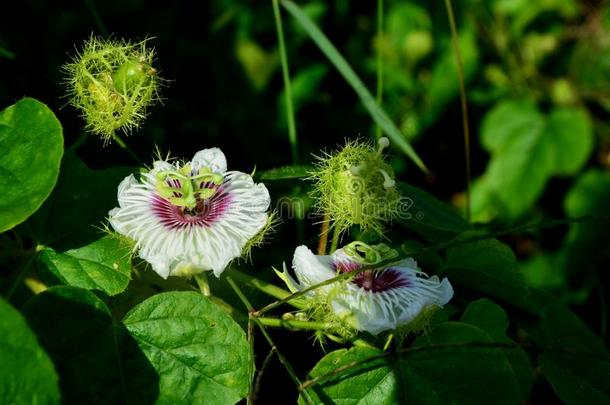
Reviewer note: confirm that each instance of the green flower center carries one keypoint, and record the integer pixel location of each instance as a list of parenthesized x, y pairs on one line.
[(188, 188)]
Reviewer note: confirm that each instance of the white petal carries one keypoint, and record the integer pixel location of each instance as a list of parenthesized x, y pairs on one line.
[(311, 269), (212, 158)]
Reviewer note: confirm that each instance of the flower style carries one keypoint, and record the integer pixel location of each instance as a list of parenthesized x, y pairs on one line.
[(374, 300), (189, 218)]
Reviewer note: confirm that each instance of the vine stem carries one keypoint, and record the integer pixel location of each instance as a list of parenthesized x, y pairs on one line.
[(464, 104), (335, 241), (126, 148), (268, 338), (324, 235), (293, 324), (292, 131)]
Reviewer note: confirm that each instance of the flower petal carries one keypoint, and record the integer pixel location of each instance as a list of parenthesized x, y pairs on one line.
[(311, 269), (212, 158)]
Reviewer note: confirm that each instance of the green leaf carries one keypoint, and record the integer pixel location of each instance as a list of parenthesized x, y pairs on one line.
[(31, 142), (489, 266), (590, 239), (493, 320), (438, 373), (77, 207), (376, 112), (427, 215), (451, 363), (27, 375), (202, 356), (507, 119), (285, 173), (373, 382), (96, 358), (571, 132), (528, 148), (102, 265), (574, 360)]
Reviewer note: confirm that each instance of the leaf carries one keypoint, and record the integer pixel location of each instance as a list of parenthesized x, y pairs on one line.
[(471, 374), (571, 132), (96, 358), (202, 356), (376, 112), (102, 265), (286, 172), (31, 142), (27, 375), (449, 364), (428, 216), (574, 360), (77, 206), (489, 266), (373, 382), (493, 320), (589, 196), (527, 149)]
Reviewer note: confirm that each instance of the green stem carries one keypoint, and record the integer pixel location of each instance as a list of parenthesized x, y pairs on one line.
[(379, 97), (280, 356), (292, 132), (126, 148), (335, 242), (264, 286), (292, 324), (283, 360), (204, 285), (250, 308), (465, 126)]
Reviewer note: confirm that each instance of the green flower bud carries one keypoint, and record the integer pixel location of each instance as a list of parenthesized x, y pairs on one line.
[(112, 83), (355, 186)]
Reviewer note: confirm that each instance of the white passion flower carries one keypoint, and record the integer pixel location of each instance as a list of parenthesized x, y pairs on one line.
[(191, 217), (373, 300)]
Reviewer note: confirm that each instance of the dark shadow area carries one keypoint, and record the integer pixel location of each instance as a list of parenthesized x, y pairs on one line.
[(98, 362)]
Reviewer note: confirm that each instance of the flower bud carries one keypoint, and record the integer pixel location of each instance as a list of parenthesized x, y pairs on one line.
[(355, 186), (112, 83)]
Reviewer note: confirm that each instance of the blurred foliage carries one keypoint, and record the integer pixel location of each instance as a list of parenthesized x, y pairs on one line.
[(538, 85)]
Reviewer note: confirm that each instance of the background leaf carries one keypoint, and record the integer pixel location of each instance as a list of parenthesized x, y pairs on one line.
[(427, 215), (492, 319), (96, 358), (437, 375), (528, 148), (31, 142), (27, 375), (76, 209), (376, 112), (489, 266), (285, 173), (574, 360)]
